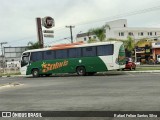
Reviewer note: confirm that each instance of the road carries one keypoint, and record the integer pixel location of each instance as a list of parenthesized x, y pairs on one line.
[(112, 92)]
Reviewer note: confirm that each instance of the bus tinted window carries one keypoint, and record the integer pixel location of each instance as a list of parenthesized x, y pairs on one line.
[(36, 56), (49, 55), (74, 53), (105, 50), (60, 54), (89, 51)]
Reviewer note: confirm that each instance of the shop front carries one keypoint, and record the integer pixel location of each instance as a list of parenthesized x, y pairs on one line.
[(144, 54), (156, 51)]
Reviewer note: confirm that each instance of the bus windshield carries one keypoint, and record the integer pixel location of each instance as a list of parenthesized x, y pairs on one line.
[(25, 60)]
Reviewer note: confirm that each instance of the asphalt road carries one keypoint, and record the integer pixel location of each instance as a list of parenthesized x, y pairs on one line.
[(112, 92)]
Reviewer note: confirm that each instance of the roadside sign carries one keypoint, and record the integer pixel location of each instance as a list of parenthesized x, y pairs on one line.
[(48, 22), (49, 35), (48, 31)]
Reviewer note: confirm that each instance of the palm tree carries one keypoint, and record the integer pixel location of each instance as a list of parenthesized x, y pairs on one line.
[(99, 32), (32, 45), (129, 46)]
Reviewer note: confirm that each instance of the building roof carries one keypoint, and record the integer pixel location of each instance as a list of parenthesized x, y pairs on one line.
[(84, 34)]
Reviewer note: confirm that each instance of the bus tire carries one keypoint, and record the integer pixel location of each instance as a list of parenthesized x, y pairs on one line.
[(35, 73), (81, 71)]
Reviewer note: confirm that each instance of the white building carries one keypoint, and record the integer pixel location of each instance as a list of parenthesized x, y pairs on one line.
[(85, 37), (13, 53), (13, 64), (118, 29)]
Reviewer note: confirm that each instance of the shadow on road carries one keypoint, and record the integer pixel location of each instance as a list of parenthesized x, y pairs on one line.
[(110, 73)]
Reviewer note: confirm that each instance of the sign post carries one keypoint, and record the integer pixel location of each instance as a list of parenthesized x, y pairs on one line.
[(39, 32)]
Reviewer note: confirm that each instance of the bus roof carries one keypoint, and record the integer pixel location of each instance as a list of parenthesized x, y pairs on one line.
[(73, 45)]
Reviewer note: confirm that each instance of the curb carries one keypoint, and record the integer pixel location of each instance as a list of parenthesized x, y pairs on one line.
[(146, 71)]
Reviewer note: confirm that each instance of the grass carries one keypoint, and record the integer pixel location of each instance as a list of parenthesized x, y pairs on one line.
[(9, 74)]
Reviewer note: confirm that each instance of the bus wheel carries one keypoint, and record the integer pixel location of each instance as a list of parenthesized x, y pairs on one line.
[(35, 73), (81, 71)]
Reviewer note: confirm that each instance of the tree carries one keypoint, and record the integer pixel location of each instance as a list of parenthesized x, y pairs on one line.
[(32, 45), (129, 45), (92, 40), (99, 32)]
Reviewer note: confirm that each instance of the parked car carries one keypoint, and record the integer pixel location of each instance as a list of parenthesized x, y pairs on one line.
[(130, 65)]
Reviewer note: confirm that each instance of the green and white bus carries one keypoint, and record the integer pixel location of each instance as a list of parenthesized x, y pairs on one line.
[(83, 59)]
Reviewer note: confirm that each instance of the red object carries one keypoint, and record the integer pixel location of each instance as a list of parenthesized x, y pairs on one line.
[(130, 65)]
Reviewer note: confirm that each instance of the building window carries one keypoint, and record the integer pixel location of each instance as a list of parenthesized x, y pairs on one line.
[(149, 33), (124, 25), (130, 34), (141, 34), (94, 37), (121, 34), (85, 39), (155, 33)]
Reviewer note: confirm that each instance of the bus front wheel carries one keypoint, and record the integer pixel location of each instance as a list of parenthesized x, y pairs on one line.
[(81, 71), (35, 73)]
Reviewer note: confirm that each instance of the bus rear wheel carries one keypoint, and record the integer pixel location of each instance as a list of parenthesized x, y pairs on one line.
[(81, 71), (35, 73)]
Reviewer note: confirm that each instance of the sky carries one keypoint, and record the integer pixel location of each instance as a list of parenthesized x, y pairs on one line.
[(18, 25)]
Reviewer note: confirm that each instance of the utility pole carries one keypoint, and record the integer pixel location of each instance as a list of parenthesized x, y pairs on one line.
[(71, 32), (2, 54)]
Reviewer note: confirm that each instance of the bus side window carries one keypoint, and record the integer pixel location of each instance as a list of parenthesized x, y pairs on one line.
[(61, 54), (105, 50), (36, 56), (49, 55), (89, 51), (74, 53)]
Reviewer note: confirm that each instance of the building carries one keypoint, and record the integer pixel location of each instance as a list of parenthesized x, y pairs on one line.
[(85, 37), (13, 53), (156, 50), (119, 29)]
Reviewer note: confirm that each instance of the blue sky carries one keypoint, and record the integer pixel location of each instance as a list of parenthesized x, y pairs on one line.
[(18, 25)]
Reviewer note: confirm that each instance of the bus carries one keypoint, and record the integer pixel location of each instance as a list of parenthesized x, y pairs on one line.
[(80, 58)]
